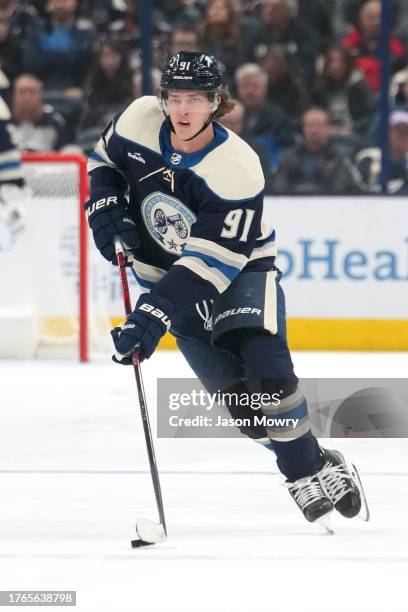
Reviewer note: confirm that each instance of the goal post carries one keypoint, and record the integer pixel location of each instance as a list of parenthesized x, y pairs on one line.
[(43, 172), (59, 297)]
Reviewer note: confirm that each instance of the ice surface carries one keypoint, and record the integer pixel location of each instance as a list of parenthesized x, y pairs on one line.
[(74, 478)]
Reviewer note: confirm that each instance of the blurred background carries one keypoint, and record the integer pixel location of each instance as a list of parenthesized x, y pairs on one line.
[(321, 90)]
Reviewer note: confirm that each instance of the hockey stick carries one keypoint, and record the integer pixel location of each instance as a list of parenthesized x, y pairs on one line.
[(148, 531)]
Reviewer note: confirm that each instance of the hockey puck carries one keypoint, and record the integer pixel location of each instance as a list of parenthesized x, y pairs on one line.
[(139, 543)]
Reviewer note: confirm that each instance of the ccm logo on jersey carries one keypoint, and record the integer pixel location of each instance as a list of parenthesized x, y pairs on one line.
[(103, 203), (235, 311), (156, 312)]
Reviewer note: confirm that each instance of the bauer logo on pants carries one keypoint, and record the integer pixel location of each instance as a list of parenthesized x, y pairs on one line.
[(168, 220)]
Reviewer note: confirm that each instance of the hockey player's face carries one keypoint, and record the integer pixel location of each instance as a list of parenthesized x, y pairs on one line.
[(188, 111)]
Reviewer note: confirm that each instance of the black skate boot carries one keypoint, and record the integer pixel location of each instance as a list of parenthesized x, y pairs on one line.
[(310, 498), (339, 483)]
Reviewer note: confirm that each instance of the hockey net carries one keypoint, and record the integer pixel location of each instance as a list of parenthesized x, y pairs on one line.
[(59, 295)]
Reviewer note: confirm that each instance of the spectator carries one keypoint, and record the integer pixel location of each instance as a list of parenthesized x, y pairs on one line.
[(10, 51), (222, 34), (60, 52), (263, 121), (346, 12), (399, 89), (22, 19), (183, 38), (35, 126), (170, 12), (314, 167), (280, 26), (342, 90), (101, 12), (111, 84), (127, 29), (368, 161), (234, 121), (364, 43), (316, 15), (285, 89)]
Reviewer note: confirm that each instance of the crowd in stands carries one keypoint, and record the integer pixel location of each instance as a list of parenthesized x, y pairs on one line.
[(305, 76)]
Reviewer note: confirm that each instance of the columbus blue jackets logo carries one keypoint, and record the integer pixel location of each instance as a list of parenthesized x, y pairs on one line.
[(168, 220)]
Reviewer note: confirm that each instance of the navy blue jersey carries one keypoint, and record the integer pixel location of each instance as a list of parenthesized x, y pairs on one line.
[(199, 215), (11, 170)]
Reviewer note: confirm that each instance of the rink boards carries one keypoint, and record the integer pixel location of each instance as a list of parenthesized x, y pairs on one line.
[(344, 263), (345, 271)]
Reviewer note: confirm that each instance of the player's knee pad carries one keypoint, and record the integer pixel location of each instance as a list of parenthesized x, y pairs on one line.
[(253, 302)]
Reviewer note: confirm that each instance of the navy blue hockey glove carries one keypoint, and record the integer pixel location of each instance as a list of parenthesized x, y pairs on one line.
[(143, 329), (107, 218)]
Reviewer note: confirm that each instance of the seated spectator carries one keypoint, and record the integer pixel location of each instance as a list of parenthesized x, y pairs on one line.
[(22, 19), (223, 35), (342, 90), (399, 89), (316, 15), (234, 121), (35, 126), (345, 13), (368, 161), (263, 121), (10, 50), (284, 88), (183, 38), (169, 12), (110, 86), (315, 167), (101, 12), (364, 42), (60, 51), (127, 29), (280, 26)]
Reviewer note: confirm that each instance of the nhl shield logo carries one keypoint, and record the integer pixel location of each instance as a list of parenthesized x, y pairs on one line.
[(168, 220), (176, 159)]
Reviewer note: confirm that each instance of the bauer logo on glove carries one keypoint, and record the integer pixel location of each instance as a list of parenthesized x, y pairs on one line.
[(108, 217), (143, 329)]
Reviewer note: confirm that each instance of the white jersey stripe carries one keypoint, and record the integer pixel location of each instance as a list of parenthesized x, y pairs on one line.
[(199, 267)]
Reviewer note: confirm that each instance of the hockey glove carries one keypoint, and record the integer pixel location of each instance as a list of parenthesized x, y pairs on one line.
[(107, 218), (143, 329)]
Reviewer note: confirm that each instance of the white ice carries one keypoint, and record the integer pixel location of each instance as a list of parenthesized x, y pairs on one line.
[(74, 478)]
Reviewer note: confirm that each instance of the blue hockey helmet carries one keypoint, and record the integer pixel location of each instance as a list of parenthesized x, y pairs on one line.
[(192, 70)]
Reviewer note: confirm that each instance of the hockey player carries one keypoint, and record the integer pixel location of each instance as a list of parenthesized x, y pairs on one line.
[(192, 222), (12, 193)]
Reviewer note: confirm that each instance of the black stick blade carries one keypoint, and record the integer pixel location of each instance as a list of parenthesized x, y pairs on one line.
[(140, 543)]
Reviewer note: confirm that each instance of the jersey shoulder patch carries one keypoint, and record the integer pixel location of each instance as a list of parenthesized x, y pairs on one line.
[(232, 170), (140, 123)]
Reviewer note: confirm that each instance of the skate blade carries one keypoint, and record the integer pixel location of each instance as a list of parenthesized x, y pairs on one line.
[(364, 513), (325, 522)]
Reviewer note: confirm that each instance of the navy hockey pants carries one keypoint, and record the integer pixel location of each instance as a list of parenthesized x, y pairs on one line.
[(263, 360)]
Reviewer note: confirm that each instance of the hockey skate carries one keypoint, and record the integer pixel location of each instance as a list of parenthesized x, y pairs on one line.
[(342, 485), (311, 499)]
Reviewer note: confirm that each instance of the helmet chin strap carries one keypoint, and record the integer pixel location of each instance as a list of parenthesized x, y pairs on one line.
[(204, 127)]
